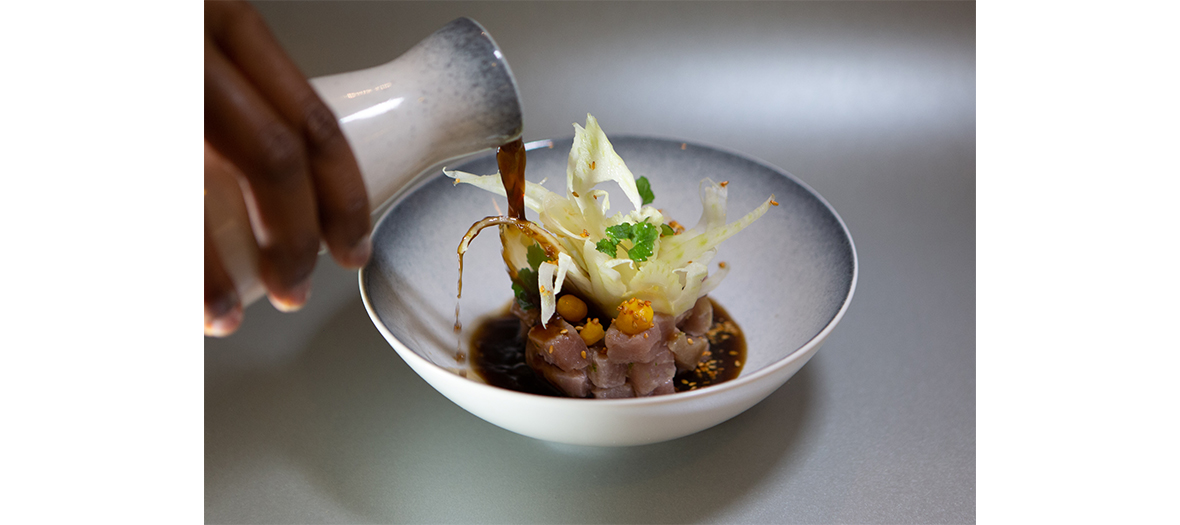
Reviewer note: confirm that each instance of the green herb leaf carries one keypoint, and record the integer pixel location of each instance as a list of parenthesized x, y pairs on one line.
[(666, 230), (640, 252), (645, 233), (644, 236), (619, 232), (522, 297), (536, 256), (644, 188), (525, 288), (608, 247), (527, 278)]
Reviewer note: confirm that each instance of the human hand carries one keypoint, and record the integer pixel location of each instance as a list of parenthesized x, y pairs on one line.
[(272, 144)]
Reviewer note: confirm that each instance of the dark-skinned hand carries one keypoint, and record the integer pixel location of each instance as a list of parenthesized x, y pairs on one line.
[(272, 143)]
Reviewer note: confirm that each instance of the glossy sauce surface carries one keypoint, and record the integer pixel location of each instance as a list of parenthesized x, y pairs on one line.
[(498, 356)]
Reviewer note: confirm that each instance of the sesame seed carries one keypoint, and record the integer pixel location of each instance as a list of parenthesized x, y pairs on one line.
[(724, 183), (773, 202), (563, 331), (722, 264), (683, 145), (575, 194), (551, 349), (583, 354), (591, 164)]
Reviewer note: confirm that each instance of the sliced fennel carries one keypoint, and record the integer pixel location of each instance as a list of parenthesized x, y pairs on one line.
[(672, 276)]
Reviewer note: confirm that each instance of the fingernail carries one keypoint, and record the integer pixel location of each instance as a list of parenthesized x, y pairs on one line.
[(295, 301), (359, 254), (226, 324)]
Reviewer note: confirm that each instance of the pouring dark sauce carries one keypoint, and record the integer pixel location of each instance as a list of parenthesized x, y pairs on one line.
[(510, 158)]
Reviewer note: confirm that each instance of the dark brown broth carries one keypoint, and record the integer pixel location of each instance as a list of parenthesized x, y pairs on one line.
[(498, 356), (510, 158)]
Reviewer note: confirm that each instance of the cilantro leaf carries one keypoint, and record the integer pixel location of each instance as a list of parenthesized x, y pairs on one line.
[(608, 247), (536, 256), (645, 232), (527, 278), (524, 287), (522, 297), (666, 230), (640, 252), (619, 232), (644, 188), (644, 236)]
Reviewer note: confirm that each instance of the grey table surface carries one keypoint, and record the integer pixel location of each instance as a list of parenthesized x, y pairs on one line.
[(312, 417)]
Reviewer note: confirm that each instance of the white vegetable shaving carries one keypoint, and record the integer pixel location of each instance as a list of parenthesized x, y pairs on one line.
[(673, 274)]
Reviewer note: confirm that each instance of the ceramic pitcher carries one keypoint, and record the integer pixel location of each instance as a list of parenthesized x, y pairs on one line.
[(450, 95)]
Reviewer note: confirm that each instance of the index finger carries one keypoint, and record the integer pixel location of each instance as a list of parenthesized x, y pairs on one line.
[(341, 198)]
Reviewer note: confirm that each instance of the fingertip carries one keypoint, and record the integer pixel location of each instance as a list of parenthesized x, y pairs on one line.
[(358, 255), (293, 300), (224, 324)]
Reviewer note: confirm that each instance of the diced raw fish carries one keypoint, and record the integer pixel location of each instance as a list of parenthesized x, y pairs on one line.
[(638, 348), (617, 392), (645, 377), (666, 324), (687, 349), (605, 374), (641, 347), (573, 383), (667, 387), (699, 318), (560, 344)]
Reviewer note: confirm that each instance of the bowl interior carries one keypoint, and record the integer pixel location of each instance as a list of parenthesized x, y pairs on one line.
[(791, 271)]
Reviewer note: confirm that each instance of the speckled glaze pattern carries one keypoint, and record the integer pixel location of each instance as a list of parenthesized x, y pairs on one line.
[(451, 95), (793, 273)]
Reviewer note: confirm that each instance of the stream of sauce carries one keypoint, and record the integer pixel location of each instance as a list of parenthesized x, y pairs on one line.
[(510, 159)]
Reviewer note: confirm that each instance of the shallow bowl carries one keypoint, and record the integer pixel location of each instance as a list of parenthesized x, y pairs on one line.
[(792, 277)]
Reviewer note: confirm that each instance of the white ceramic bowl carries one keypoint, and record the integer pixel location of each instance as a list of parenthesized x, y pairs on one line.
[(792, 277)]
